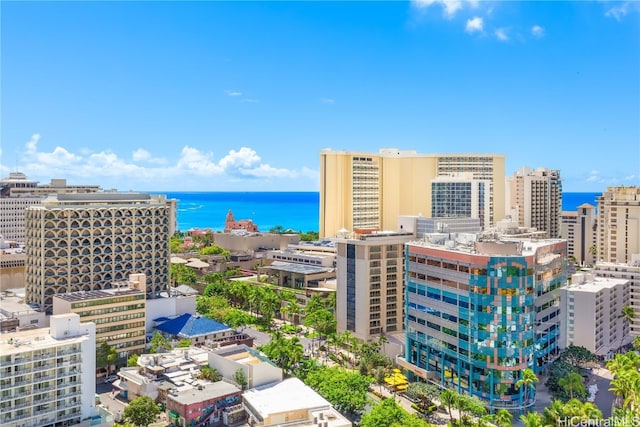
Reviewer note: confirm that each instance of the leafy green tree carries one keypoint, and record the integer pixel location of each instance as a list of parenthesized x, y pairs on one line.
[(181, 275), (141, 411), (159, 343), (209, 373), (106, 356), (237, 318), (184, 343), (636, 343), (214, 250), (175, 245), (531, 419), (572, 383), (424, 393), (309, 236), (132, 361), (278, 229), (388, 413), (503, 418), (346, 390), (578, 356), (240, 377), (322, 321)]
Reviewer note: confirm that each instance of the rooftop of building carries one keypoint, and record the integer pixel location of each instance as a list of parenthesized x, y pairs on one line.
[(588, 282), (99, 293), (33, 339), (13, 304), (284, 396), (394, 152), (291, 267), (486, 243), (242, 354), (190, 326), (204, 392)]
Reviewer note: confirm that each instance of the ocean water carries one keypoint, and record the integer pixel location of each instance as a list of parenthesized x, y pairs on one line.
[(298, 211)]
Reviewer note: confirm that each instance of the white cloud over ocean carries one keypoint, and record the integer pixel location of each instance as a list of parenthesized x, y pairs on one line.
[(145, 171)]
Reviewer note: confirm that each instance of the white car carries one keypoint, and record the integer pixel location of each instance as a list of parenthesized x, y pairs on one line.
[(110, 379)]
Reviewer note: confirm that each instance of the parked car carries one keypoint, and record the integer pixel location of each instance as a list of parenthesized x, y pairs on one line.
[(110, 379)]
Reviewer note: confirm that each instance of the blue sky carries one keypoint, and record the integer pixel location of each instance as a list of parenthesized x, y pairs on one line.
[(226, 96)]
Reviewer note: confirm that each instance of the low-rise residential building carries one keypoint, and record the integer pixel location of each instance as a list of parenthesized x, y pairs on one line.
[(47, 375), (200, 331), (16, 315), (257, 368), (591, 309), (290, 402), (203, 404)]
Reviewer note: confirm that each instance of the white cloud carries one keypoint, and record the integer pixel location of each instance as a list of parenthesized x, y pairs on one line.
[(327, 100), (619, 11), (142, 155), (474, 25), (501, 34), (233, 93), (106, 168), (250, 100), (243, 158), (449, 7), (537, 31)]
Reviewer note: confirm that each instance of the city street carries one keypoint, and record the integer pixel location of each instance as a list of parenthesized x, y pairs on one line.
[(107, 399)]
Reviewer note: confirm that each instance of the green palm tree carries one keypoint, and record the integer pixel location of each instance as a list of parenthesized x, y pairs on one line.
[(554, 413), (528, 381), (503, 418), (449, 398), (572, 382), (628, 314), (531, 419)]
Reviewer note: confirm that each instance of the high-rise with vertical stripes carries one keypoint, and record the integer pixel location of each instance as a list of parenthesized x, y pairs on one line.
[(371, 190)]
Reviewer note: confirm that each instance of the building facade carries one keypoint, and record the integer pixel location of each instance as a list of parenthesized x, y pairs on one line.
[(535, 200), (579, 228), (618, 224), (591, 308), (370, 284), (119, 313), (461, 196), (371, 190), (628, 272), (18, 193), (85, 242), (41, 374), (479, 313)]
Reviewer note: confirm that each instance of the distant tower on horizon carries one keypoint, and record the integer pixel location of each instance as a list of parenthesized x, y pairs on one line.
[(230, 223)]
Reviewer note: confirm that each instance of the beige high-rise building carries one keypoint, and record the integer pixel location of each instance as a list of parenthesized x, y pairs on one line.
[(619, 224), (370, 284), (579, 229), (591, 307), (85, 242), (371, 190), (534, 199)]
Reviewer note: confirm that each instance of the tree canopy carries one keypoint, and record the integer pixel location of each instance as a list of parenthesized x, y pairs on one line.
[(105, 356), (141, 411), (346, 390), (388, 413)]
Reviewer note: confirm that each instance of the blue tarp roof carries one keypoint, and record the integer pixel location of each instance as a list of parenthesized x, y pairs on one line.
[(189, 326)]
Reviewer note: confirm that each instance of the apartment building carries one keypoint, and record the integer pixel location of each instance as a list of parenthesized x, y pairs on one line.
[(480, 311), (618, 224), (461, 196), (85, 242), (591, 308), (371, 190), (119, 313), (534, 199), (370, 284), (17, 193), (41, 374), (628, 272), (579, 228)]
